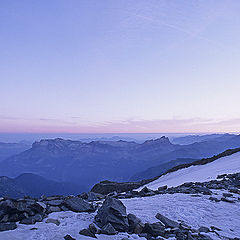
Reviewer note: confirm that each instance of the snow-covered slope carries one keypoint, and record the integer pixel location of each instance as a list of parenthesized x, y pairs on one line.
[(200, 173), (194, 211)]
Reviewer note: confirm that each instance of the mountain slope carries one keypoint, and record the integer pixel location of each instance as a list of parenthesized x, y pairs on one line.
[(9, 187), (10, 149), (159, 169), (199, 173), (36, 186)]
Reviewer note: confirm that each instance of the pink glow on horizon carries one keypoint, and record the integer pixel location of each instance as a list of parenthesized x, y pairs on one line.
[(133, 126)]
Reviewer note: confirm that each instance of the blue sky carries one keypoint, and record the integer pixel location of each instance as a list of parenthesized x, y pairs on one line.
[(119, 66)]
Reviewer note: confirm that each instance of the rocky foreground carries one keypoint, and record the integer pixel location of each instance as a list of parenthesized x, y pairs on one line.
[(110, 215)]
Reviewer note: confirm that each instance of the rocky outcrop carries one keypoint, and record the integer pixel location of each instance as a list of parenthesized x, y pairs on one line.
[(106, 187), (77, 204), (135, 224), (114, 212), (229, 182), (7, 226), (29, 210)]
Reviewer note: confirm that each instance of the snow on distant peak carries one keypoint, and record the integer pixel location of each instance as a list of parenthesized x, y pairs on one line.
[(200, 173)]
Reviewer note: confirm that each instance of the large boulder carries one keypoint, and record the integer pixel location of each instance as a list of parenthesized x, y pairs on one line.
[(109, 229), (32, 219), (7, 226), (78, 204), (87, 232), (114, 212), (154, 229), (166, 221), (135, 224)]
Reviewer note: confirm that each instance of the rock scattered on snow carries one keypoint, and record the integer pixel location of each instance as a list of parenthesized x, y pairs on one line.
[(114, 212)]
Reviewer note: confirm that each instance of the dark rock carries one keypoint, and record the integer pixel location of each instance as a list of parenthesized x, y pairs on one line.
[(204, 237), (8, 206), (144, 191), (94, 229), (68, 237), (56, 197), (22, 206), (64, 208), (162, 188), (184, 235), (113, 194), (145, 235), (227, 195), (213, 228), (187, 184), (234, 190), (54, 221), (38, 207), (56, 202), (214, 199), (77, 204), (84, 196), (166, 221), (7, 226), (227, 200), (106, 187), (135, 224), (154, 229), (204, 229), (91, 196), (221, 176), (204, 190), (87, 232), (109, 229), (53, 209), (236, 183), (112, 211), (28, 221), (32, 220)]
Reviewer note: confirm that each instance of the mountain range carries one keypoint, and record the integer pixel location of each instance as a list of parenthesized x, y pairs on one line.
[(189, 139), (85, 164)]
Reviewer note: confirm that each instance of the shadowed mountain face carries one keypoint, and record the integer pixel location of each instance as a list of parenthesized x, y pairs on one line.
[(35, 186), (10, 149), (159, 169), (9, 187), (88, 163)]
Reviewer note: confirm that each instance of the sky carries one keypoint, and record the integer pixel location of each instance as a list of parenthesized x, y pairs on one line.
[(90, 66)]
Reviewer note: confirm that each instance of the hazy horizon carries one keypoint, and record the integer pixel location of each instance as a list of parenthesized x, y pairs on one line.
[(140, 137)]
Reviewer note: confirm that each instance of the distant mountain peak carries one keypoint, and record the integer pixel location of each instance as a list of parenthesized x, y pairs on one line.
[(161, 140)]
